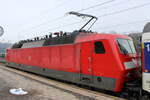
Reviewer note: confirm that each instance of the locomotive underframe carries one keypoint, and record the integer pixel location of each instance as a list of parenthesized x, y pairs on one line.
[(135, 91), (105, 83)]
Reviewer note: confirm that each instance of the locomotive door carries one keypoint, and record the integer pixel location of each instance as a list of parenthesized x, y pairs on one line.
[(102, 57), (86, 62)]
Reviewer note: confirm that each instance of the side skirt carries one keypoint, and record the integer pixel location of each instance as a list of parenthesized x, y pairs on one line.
[(97, 82)]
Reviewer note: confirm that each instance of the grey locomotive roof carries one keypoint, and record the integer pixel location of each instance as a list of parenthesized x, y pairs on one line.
[(66, 39)]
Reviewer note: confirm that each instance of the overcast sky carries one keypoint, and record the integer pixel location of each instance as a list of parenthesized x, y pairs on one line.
[(22, 19)]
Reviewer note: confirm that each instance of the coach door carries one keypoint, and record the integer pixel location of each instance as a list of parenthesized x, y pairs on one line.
[(86, 62)]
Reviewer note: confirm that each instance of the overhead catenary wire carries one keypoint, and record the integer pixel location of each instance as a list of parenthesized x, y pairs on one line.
[(94, 6), (124, 10), (52, 9), (116, 25), (61, 26), (123, 24), (56, 7), (109, 6), (37, 26), (49, 10), (117, 12), (61, 17)]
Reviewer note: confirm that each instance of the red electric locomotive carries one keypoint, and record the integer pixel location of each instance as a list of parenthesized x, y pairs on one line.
[(105, 61)]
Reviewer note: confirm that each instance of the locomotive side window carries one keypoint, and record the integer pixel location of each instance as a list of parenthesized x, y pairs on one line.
[(99, 48)]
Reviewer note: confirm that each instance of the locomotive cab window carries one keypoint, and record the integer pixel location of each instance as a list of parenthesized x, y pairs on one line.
[(99, 47), (126, 46)]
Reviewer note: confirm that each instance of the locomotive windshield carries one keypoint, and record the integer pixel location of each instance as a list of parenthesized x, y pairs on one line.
[(126, 46)]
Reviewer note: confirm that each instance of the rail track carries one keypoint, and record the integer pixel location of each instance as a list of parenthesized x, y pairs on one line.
[(62, 85)]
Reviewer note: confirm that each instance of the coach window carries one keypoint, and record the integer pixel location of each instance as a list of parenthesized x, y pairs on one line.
[(99, 48)]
